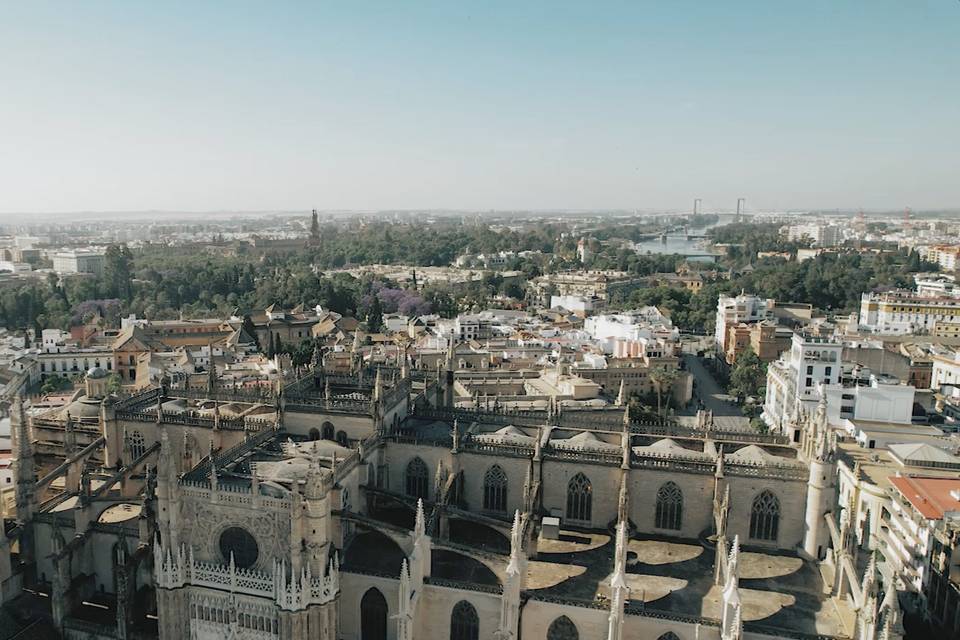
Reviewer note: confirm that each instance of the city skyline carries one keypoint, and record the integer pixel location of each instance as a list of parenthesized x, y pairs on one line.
[(550, 107)]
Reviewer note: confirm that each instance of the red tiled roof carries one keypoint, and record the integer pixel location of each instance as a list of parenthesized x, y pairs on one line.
[(929, 496)]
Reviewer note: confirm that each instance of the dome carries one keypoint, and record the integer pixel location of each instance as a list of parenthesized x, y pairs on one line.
[(96, 373), (81, 408), (507, 435), (584, 440)]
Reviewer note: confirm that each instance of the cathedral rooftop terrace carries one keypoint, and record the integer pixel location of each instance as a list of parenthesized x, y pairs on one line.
[(673, 577)]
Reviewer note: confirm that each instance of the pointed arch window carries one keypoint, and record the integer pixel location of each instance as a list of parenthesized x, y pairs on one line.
[(579, 498), (669, 514), (373, 615), (137, 447), (416, 478), (669, 635), (495, 489), (464, 622), (765, 517), (327, 430), (563, 629)]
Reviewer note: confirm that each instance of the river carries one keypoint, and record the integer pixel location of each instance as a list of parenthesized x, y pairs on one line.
[(679, 244)]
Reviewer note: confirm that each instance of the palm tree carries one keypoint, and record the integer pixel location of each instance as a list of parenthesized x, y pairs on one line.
[(662, 379)]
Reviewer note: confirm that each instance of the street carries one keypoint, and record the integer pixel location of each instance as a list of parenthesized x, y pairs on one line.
[(726, 413)]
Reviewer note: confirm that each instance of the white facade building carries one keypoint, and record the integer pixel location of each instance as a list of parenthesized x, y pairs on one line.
[(823, 235), (947, 256), (78, 261), (905, 312), (880, 401), (794, 381)]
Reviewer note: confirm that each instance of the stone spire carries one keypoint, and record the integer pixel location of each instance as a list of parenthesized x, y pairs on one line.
[(731, 622), (419, 566), (420, 521), (892, 626), (509, 626), (721, 511), (404, 615), (23, 465), (826, 445), (867, 625), (619, 591), (516, 544)]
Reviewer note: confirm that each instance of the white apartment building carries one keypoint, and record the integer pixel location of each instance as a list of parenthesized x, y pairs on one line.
[(794, 381), (921, 507), (732, 310), (78, 261), (947, 256), (902, 312), (823, 235)]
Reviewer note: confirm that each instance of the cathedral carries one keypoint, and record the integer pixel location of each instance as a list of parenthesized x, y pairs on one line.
[(366, 506)]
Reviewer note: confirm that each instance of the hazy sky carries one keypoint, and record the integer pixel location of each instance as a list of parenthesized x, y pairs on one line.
[(269, 105)]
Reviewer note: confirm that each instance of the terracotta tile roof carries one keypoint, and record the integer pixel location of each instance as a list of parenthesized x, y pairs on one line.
[(929, 496)]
